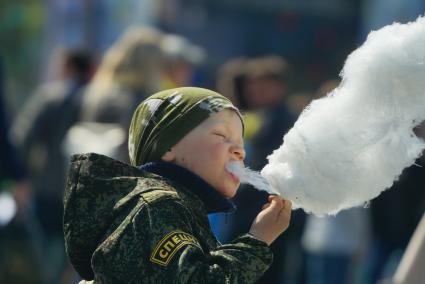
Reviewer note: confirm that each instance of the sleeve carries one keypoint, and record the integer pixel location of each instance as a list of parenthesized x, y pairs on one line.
[(175, 255)]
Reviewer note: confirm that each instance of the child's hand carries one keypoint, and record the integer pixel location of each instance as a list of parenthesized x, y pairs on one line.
[(273, 220)]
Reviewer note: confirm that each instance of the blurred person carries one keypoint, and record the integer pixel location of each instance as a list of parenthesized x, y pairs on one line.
[(394, 216), (147, 222), (10, 165), (260, 85), (231, 82), (181, 58), (297, 102), (410, 268), (267, 87), (20, 254), (335, 245), (38, 131), (130, 70)]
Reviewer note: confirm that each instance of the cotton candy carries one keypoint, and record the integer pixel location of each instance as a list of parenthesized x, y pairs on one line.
[(348, 147)]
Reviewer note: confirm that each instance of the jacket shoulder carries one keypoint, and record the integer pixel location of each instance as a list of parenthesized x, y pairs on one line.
[(156, 189)]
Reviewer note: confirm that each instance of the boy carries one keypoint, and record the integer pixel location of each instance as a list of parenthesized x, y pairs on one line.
[(147, 223)]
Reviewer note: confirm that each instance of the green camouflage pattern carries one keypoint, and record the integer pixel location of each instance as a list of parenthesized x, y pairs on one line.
[(164, 118), (124, 225)]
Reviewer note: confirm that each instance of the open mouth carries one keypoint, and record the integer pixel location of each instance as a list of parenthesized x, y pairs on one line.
[(234, 169), (234, 177)]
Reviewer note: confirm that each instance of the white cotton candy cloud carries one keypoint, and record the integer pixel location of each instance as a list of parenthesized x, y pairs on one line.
[(248, 176), (351, 145)]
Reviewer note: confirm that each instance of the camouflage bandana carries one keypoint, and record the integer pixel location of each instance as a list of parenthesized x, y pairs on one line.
[(164, 118)]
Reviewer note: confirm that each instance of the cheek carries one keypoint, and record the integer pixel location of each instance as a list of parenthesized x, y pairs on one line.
[(211, 159), (206, 158), (203, 155), (218, 152)]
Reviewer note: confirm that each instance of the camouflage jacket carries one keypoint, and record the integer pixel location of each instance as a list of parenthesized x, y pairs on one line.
[(127, 225)]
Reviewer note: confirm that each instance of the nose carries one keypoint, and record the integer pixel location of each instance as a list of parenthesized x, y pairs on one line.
[(238, 152)]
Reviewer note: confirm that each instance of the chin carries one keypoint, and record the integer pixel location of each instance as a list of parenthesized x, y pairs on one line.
[(229, 193)]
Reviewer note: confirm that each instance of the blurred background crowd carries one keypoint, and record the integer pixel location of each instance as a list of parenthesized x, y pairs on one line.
[(73, 71)]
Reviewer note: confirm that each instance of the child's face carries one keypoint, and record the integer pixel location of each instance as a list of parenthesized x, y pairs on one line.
[(208, 147)]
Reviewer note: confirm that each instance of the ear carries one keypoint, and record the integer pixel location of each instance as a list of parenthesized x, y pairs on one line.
[(169, 156)]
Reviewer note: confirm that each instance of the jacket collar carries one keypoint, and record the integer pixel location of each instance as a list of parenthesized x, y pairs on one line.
[(213, 201)]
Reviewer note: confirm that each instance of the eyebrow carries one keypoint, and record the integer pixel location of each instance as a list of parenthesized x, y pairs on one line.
[(226, 125), (220, 121)]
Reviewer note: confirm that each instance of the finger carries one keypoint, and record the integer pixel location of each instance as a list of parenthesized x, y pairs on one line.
[(267, 205), (285, 215), (288, 204), (272, 196), (275, 205)]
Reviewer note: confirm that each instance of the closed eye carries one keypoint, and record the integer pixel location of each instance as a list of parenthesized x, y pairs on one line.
[(220, 134)]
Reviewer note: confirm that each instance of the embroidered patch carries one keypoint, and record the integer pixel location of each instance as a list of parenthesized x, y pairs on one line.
[(169, 245)]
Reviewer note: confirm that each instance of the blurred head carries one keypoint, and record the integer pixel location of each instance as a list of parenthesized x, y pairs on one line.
[(266, 81), (77, 63), (70, 63), (134, 61), (195, 128), (181, 57), (231, 81)]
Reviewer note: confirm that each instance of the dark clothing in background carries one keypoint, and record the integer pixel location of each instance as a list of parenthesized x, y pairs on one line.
[(395, 215), (276, 123), (398, 210), (10, 165), (38, 132)]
